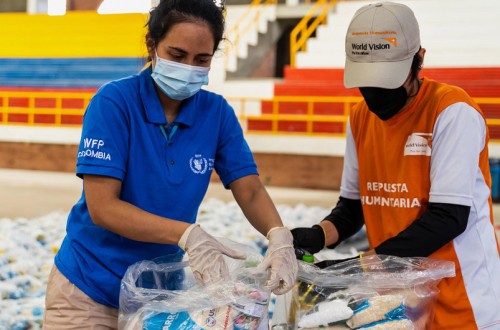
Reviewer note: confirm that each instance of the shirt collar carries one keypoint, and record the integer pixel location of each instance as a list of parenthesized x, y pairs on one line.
[(152, 105)]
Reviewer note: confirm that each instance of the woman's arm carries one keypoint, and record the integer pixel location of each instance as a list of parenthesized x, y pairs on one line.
[(259, 209), (255, 202), (107, 210)]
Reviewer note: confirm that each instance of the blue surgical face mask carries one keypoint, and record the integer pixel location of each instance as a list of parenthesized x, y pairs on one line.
[(179, 81)]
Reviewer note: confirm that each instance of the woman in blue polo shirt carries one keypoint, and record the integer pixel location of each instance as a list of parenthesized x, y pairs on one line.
[(149, 145)]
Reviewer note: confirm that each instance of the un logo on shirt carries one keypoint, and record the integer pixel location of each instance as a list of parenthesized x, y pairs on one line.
[(198, 164)]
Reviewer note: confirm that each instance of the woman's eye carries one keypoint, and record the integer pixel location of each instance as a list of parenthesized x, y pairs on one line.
[(176, 56), (203, 60)]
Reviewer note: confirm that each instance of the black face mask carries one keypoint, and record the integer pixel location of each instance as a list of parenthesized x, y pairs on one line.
[(383, 102)]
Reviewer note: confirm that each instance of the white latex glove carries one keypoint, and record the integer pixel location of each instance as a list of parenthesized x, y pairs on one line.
[(206, 255), (280, 257)]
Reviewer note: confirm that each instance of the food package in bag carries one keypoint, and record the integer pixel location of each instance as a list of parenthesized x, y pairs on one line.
[(161, 295), (382, 292)]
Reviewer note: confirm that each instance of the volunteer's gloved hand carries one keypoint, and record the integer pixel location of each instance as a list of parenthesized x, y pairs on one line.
[(280, 257), (206, 255), (310, 239)]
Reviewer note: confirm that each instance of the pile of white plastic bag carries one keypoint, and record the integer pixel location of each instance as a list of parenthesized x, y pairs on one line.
[(27, 248)]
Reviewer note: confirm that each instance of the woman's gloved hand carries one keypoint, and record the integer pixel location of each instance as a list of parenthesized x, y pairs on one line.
[(280, 257), (310, 239), (206, 255)]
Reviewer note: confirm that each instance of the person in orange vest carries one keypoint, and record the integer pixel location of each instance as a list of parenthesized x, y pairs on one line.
[(416, 169)]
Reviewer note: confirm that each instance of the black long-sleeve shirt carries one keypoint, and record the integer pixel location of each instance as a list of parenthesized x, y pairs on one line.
[(439, 224)]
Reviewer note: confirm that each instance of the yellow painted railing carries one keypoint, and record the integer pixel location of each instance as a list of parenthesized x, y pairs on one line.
[(306, 27), (300, 115), (293, 109), (247, 21), (275, 116), (43, 108)]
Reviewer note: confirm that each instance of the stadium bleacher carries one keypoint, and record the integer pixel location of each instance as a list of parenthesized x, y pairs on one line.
[(80, 51)]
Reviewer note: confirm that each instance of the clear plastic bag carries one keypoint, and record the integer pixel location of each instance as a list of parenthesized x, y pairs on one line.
[(164, 295), (386, 292)]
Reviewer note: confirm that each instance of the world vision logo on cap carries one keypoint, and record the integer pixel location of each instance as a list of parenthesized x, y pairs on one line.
[(364, 48)]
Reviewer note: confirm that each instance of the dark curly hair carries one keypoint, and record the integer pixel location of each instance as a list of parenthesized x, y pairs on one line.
[(171, 12)]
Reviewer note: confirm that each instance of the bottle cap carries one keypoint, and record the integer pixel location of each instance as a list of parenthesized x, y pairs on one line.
[(308, 258)]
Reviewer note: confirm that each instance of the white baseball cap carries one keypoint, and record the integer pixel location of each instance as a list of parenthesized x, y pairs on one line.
[(380, 44)]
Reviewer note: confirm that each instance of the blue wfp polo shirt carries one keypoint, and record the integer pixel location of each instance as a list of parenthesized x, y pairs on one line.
[(163, 173)]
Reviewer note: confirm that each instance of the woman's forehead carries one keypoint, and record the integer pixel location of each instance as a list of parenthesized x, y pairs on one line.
[(189, 36)]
